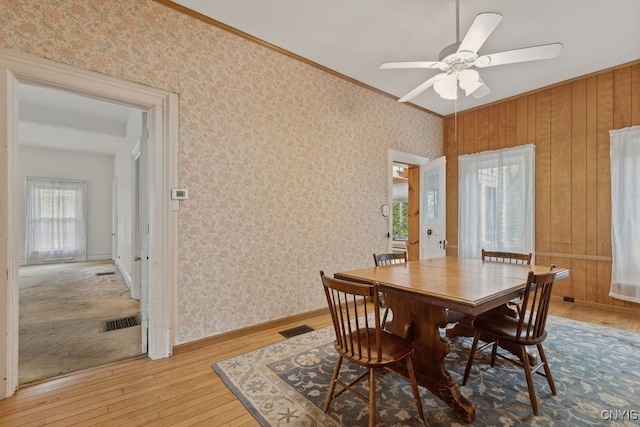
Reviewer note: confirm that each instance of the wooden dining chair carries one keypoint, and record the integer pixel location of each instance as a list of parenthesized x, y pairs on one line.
[(526, 330), (388, 259), (464, 328), (360, 339), (510, 258)]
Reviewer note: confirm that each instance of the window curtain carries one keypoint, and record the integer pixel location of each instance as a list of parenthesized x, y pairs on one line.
[(625, 214), (56, 226), (496, 201)]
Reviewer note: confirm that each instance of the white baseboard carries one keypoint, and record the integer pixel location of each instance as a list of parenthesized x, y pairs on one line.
[(125, 275), (90, 257), (98, 257)]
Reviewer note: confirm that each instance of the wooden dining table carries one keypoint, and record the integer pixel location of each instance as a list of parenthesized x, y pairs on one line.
[(418, 294)]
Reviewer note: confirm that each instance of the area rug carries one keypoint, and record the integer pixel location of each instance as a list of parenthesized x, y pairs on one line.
[(596, 371)]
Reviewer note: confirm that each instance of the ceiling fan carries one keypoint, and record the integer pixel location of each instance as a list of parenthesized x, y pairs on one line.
[(458, 60)]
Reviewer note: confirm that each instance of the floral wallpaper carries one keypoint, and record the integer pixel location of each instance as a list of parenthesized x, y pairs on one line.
[(286, 165)]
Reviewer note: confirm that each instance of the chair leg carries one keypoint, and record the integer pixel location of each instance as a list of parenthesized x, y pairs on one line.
[(414, 386), (372, 397), (527, 370), (494, 352), (332, 384), (547, 370), (472, 353)]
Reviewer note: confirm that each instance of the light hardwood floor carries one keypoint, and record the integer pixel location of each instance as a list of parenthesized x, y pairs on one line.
[(182, 390)]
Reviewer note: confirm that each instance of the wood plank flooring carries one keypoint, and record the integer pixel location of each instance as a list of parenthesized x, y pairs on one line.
[(182, 390)]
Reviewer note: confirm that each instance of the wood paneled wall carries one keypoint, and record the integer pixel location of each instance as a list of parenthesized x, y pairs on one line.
[(569, 124)]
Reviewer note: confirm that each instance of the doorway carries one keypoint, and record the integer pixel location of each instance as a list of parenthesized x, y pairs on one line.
[(425, 203), (159, 212), (410, 165), (68, 140), (400, 208)]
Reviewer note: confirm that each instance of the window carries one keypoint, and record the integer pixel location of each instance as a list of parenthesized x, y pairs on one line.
[(625, 214), (401, 220), (55, 220), (495, 201)]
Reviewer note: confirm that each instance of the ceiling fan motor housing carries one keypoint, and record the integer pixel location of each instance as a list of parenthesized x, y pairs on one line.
[(455, 60)]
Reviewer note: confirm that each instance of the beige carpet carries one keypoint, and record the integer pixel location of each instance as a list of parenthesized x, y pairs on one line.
[(62, 310)]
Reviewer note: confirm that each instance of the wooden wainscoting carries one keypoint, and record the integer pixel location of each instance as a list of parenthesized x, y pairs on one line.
[(569, 124)]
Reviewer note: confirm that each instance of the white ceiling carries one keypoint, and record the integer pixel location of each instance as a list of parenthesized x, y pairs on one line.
[(353, 37), (61, 120)]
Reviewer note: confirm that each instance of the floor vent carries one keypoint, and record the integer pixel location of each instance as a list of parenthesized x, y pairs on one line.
[(125, 322), (298, 330), (106, 273)]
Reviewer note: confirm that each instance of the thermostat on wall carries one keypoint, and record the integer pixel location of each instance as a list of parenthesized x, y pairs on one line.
[(179, 194)]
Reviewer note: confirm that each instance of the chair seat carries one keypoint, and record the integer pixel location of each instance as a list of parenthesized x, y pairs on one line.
[(504, 327), (393, 347)]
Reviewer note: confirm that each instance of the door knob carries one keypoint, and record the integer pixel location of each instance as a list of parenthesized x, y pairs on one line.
[(136, 258)]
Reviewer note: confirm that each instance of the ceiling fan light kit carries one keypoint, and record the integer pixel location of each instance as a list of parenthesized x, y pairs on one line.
[(456, 60)]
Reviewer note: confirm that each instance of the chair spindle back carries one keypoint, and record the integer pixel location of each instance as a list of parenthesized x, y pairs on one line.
[(535, 305), (351, 305), (508, 257), (390, 258)]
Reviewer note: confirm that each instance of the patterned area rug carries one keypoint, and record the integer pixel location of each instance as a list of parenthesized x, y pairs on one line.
[(596, 371)]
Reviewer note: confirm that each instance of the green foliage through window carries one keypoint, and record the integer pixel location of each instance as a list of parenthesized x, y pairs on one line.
[(400, 219)]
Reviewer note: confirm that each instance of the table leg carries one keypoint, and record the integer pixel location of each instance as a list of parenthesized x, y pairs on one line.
[(430, 351)]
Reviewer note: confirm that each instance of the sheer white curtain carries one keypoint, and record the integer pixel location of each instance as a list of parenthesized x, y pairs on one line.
[(56, 229), (496, 201), (625, 213)]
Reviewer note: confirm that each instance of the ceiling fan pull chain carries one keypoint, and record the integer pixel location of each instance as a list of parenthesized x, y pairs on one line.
[(455, 119)]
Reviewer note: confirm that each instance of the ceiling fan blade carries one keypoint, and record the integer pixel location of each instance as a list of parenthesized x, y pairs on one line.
[(534, 53), (480, 30), (424, 86), (414, 64), (483, 90)]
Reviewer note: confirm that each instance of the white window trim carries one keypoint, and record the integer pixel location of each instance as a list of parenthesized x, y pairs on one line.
[(34, 256)]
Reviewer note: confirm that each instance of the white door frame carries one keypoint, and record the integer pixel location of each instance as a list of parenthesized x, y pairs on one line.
[(161, 220), (398, 157)]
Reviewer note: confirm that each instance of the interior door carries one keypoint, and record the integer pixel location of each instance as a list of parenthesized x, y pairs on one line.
[(433, 243)]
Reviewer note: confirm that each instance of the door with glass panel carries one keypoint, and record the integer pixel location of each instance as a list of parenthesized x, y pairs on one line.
[(433, 243)]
